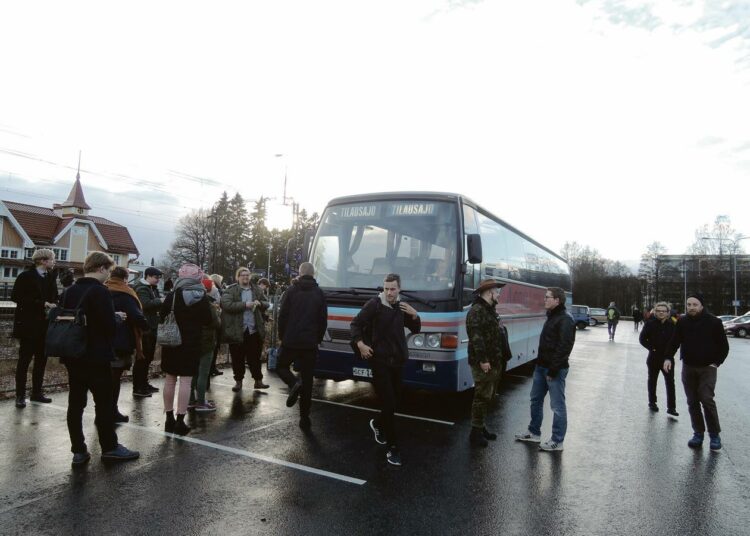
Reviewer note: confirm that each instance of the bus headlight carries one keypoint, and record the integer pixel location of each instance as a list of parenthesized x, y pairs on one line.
[(433, 340), (418, 341)]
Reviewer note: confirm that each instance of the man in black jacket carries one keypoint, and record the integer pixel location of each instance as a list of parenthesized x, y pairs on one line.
[(385, 317), (655, 337), (703, 347), (35, 292), (555, 344), (151, 301), (303, 318)]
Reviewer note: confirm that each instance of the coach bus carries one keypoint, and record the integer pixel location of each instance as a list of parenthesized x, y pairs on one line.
[(441, 245)]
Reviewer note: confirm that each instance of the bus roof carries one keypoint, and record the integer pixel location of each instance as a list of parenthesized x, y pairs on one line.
[(436, 196)]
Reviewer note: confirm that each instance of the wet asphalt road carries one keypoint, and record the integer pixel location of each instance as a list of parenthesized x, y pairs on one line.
[(624, 470)]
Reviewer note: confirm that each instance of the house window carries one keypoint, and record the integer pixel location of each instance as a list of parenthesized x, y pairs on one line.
[(9, 253), (10, 272), (116, 258), (29, 252), (80, 211), (60, 254)]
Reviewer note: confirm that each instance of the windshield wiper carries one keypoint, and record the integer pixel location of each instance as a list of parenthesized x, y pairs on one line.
[(417, 299)]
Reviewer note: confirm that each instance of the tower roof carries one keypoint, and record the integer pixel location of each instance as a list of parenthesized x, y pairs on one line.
[(75, 198)]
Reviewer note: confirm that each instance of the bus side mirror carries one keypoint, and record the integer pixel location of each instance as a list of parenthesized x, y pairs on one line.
[(309, 235), (474, 248)]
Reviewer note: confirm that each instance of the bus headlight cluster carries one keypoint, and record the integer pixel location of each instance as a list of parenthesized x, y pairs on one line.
[(434, 340)]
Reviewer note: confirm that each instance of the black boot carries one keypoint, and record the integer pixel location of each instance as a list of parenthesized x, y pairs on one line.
[(476, 438), (180, 428), (170, 422), (488, 435)]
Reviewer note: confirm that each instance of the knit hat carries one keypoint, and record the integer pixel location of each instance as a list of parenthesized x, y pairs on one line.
[(190, 271), (697, 295)]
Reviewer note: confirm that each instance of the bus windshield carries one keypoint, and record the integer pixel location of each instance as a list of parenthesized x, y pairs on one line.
[(358, 244)]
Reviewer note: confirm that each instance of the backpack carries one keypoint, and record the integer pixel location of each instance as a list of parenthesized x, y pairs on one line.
[(67, 335)]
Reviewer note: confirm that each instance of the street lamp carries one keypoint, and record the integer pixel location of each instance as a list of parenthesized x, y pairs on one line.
[(734, 264)]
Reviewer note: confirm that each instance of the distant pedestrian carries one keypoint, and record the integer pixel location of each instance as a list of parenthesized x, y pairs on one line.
[(128, 333), (199, 385), (555, 345), (303, 319), (151, 300), (637, 318), (218, 282), (243, 327), (488, 352), (67, 278), (613, 317), (655, 336), (93, 372), (35, 293), (168, 285), (192, 312), (703, 348), (384, 318)]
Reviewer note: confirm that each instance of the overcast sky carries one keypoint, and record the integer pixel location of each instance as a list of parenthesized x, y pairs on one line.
[(610, 123)]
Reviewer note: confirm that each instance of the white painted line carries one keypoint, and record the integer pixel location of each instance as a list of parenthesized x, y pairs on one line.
[(232, 450), (438, 421)]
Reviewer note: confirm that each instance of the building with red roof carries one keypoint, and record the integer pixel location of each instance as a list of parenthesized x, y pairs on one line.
[(67, 229)]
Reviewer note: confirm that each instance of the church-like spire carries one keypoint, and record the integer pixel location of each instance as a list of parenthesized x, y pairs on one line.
[(75, 198)]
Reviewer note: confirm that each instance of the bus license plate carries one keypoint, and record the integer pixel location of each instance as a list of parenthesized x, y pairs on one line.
[(362, 372)]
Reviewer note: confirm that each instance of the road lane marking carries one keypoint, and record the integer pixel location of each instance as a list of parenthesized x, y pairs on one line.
[(232, 450), (438, 421)]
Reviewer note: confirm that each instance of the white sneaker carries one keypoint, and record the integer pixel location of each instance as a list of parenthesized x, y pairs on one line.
[(528, 436), (551, 446)]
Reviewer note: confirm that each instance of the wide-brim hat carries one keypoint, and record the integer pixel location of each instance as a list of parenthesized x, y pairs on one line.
[(487, 284)]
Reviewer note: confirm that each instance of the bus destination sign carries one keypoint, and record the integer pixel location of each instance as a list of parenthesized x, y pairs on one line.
[(412, 209), (359, 211)]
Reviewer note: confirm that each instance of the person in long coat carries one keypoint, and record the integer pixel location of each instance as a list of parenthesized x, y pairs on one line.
[(192, 313)]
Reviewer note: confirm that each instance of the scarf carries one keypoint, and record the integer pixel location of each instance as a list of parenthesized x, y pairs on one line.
[(118, 285)]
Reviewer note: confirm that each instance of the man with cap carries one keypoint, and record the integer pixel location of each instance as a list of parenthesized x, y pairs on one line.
[(148, 292), (555, 345), (703, 348), (488, 352)]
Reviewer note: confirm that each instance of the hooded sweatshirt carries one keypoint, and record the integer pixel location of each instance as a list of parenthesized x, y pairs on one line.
[(303, 316)]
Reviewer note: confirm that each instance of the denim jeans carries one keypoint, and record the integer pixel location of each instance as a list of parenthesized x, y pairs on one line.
[(556, 389)]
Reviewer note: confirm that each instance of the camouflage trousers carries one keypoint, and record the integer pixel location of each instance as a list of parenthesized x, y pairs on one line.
[(485, 385)]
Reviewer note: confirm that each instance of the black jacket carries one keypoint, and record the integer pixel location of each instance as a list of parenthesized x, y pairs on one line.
[(701, 340), (557, 340), (655, 337), (386, 324), (100, 317), (303, 316), (150, 301), (30, 291), (124, 335)]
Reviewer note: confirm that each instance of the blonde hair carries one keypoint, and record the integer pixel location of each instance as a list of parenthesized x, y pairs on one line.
[(216, 278), (41, 255), (95, 260), (664, 304), (240, 270)]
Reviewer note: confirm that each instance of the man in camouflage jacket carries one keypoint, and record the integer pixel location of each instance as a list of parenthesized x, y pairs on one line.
[(488, 352)]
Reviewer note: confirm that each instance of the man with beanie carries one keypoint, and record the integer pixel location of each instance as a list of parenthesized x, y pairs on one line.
[(488, 351), (555, 345), (303, 318), (148, 293), (703, 348)]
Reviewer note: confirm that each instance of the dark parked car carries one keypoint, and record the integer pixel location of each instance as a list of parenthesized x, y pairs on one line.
[(738, 330), (580, 314)]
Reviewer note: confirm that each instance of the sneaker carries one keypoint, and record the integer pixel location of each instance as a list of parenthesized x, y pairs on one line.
[(653, 407), (551, 446), (119, 417), (120, 454), (393, 455), (20, 401), (696, 441), (673, 413), (260, 385), (152, 388), (39, 397), (79, 458), (237, 386), (715, 444), (291, 400), (205, 407), (378, 432), (141, 393), (528, 436)]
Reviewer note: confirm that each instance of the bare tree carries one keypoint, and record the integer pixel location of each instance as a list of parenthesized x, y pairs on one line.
[(719, 239), (192, 243)]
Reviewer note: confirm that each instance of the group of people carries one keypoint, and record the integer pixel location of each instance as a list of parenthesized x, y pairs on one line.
[(123, 325)]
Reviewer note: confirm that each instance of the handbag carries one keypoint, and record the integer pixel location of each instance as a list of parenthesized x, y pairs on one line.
[(168, 332), (67, 335)]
